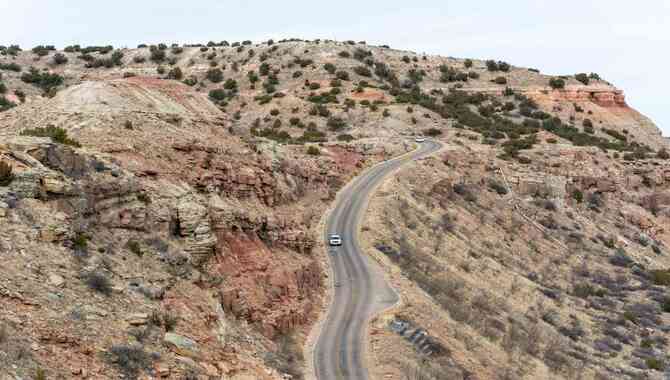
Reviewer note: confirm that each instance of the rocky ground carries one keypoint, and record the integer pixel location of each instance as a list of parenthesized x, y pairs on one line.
[(555, 269), (159, 210)]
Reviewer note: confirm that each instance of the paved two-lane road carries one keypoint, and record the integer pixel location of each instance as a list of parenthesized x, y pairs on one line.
[(363, 291)]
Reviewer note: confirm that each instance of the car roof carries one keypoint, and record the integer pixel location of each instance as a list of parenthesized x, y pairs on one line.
[(334, 235)]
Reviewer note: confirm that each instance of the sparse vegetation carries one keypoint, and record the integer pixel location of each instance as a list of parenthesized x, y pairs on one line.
[(98, 282), (44, 80), (57, 134)]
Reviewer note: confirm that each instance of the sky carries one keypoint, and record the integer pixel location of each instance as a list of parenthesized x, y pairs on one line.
[(627, 43)]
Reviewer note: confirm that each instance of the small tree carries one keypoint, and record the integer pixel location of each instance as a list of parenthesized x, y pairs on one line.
[(582, 77), (330, 68), (468, 63), (215, 75), (363, 71), (157, 55), (501, 80), (175, 73), (313, 151), (59, 59), (556, 83), (342, 75)]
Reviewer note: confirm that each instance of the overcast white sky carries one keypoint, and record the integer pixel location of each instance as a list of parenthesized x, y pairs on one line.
[(626, 42)]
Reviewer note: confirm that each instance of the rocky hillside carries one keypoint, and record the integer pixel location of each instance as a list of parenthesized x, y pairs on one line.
[(160, 206)]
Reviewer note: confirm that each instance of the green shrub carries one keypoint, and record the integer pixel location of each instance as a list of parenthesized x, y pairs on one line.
[(314, 86), (218, 95), (655, 364), (344, 54), (665, 305), (44, 80), (42, 50), (498, 187), (6, 174), (230, 84), (557, 83), (264, 69), (336, 123), (500, 80), (175, 73), (468, 63), (582, 77), (660, 277), (56, 134), (362, 71), (345, 137), (342, 75), (663, 154), (432, 132), (12, 66), (131, 359), (330, 68), (157, 55), (5, 104), (503, 66), (59, 59), (578, 196), (98, 282), (313, 151), (214, 75)]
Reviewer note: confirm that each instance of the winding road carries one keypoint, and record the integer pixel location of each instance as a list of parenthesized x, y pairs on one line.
[(362, 290)]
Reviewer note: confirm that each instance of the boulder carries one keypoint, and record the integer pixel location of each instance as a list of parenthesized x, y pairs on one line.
[(181, 345)]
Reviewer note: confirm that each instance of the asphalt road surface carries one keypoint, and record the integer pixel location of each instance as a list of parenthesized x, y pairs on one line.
[(360, 288)]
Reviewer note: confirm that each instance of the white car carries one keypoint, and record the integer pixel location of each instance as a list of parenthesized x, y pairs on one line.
[(335, 240), (420, 139)]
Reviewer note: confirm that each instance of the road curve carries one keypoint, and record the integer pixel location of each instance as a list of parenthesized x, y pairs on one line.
[(363, 291)]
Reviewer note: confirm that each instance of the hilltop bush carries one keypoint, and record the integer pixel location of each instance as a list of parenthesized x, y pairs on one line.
[(582, 77), (556, 83), (42, 50), (492, 66), (157, 55)]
